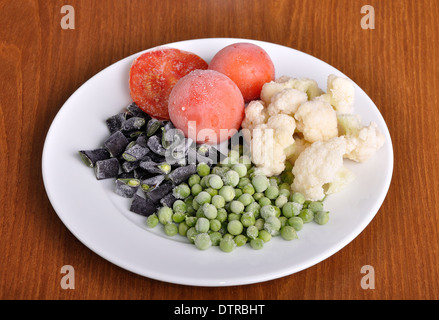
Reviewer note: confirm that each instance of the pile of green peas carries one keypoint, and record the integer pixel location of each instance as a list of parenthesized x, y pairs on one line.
[(231, 204)]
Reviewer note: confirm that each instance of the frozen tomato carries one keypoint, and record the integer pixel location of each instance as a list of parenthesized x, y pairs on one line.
[(248, 65), (207, 106), (153, 75)]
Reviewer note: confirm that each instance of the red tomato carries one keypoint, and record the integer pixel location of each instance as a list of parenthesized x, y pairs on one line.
[(153, 75), (248, 65), (207, 106)]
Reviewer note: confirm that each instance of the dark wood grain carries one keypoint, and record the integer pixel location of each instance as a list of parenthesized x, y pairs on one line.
[(396, 64)]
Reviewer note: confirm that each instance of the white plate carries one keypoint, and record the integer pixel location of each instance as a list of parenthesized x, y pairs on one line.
[(102, 221)]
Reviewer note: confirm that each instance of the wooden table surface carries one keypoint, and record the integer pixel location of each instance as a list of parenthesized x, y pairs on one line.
[(397, 65)]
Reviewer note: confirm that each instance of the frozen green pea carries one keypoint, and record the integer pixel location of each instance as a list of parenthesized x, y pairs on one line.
[(211, 191), (183, 228), (200, 212), (259, 223), (315, 206), (171, 229), (190, 221), (252, 232), (209, 211), (236, 206), (307, 215), (194, 179), (165, 215), (284, 192), (203, 197), (280, 201), (291, 209), (218, 201), (178, 217), (275, 181), (296, 223), (233, 216), (227, 244), (267, 211), (288, 233), (228, 236), (277, 212), (221, 215), (321, 217), (152, 221), (235, 227), (264, 235), (258, 195), (246, 199), (272, 225), (215, 225), (231, 178), (260, 183), (243, 182), (191, 233), (283, 221), (264, 201), (238, 193), (229, 161), (240, 168), (227, 192), (285, 186), (203, 169), (179, 206), (272, 192), (248, 219), (253, 207), (202, 225), (202, 241), (257, 243), (240, 240), (215, 237), (215, 181), (298, 197), (195, 205), (196, 189), (248, 188), (181, 191), (203, 181)]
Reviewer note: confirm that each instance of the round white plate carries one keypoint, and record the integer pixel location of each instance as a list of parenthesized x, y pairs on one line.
[(102, 221)]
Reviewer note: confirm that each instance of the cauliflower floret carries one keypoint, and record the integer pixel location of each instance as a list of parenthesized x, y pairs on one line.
[(308, 86), (286, 101), (318, 166), (317, 121), (341, 91), (271, 143), (362, 142), (283, 126), (255, 114), (267, 154)]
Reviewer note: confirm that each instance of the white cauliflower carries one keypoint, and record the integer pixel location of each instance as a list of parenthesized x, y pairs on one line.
[(341, 93), (362, 141), (308, 86), (255, 114), (319, 166), (286, 101), (317, 121), (267, 154)]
